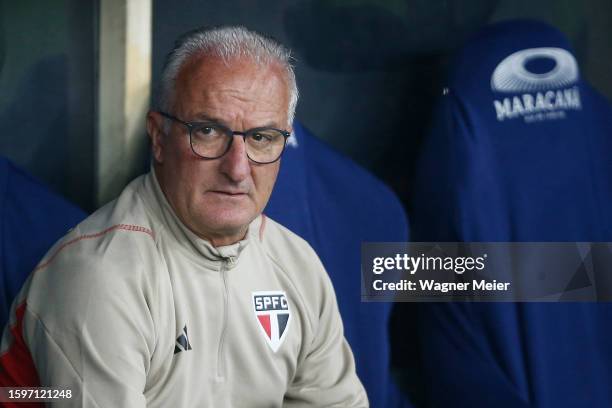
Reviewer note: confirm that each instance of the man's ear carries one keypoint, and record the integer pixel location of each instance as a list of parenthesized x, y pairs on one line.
[(155, 129)]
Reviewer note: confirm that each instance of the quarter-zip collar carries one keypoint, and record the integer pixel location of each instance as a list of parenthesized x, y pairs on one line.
[(200, 250)]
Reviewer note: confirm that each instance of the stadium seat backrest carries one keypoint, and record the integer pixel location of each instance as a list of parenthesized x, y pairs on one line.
[(520, 151), (336, 205), (32, 218), (524, 135)]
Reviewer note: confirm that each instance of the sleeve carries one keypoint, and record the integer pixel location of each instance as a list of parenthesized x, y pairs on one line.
[(89, 328), (326, 375)]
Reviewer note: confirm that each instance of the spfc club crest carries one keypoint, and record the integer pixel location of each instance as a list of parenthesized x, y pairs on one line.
[(273, 315)]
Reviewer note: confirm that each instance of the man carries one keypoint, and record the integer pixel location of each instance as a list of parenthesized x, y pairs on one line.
[(180, 292)]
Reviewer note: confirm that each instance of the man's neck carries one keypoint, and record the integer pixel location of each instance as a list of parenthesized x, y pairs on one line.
[(225, 239)]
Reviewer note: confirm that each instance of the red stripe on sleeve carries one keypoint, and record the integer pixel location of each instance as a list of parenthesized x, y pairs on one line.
[(16, 365)]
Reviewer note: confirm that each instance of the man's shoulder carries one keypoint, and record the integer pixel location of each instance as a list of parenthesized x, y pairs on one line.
[(284, 244), (123, 225), (116, 240), (294, 256)]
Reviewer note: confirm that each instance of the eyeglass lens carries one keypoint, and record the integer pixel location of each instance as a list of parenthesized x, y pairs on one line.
[(262, 145)]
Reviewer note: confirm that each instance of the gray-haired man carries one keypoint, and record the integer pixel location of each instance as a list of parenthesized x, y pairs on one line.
[(180, 292)]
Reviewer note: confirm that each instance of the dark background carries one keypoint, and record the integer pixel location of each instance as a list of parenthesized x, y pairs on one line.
[(369, 72)]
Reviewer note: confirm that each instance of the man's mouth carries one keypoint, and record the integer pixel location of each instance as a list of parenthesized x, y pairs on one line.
[(229, 193)]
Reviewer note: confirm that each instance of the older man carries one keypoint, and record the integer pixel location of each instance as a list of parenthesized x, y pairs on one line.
[(180, 292)]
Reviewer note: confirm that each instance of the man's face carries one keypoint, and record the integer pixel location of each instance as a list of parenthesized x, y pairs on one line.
[(217, 199)]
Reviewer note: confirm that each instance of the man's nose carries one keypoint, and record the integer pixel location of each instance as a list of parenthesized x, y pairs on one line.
[(235, 163)]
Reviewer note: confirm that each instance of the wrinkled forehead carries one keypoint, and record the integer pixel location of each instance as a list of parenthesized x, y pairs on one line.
[(210, 82)]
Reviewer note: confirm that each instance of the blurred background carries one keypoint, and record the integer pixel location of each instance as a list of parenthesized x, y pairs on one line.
[(75, 76)]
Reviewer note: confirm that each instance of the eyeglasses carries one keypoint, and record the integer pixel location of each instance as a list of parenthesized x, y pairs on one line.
[(211, 140)]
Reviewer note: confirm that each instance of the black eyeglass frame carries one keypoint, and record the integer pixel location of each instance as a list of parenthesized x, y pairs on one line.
[(230, 133)]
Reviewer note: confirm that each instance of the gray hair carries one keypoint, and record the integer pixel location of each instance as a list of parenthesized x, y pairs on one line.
[(227, 43)]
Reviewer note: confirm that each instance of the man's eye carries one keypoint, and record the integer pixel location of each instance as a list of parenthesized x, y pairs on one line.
[(207, 132), (261, 137)]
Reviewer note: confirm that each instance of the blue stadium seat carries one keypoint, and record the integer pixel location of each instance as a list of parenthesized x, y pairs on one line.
[(336, 205), (32, 218), (520, 152)]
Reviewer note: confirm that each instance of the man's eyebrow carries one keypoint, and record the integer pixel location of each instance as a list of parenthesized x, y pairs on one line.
[(269, 125), (201, 116), (204, 117)]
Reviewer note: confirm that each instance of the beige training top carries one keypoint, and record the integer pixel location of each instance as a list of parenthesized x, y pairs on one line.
[(131, 309)]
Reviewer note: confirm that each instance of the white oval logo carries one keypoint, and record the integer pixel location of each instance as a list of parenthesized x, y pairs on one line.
[(512, 76)]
